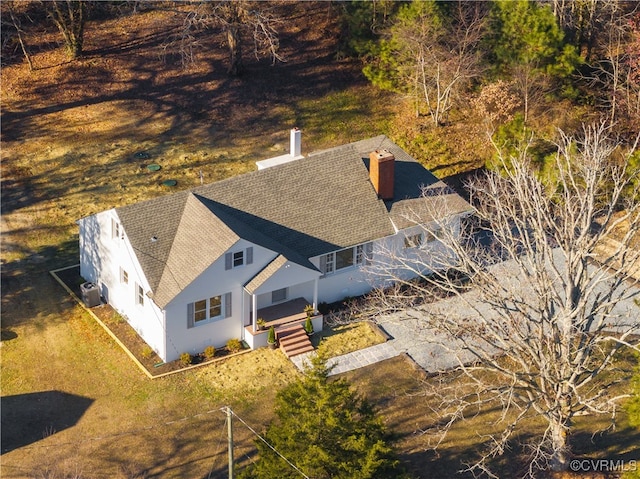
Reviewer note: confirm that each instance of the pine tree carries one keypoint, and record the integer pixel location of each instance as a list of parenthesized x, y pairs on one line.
[(326, 430)]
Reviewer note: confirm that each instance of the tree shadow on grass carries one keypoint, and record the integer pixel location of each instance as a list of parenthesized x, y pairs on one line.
[(27, 418), (616, 446)]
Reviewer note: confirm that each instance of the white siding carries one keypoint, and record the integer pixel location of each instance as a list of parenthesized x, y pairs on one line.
[(298, 279), (302, 290), (391, 253), (102, 258), (214, 281)]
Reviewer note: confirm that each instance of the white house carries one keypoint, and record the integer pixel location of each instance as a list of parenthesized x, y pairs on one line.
[(199, 267)]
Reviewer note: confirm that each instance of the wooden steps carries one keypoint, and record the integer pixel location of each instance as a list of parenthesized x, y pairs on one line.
[(293, 340)]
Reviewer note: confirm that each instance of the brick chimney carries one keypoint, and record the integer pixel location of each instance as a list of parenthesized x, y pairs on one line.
[(381, 172)]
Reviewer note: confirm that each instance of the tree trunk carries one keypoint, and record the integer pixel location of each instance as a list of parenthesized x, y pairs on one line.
[(69, 17), (560, 426), (18, 28), (560, 457), (235, 50)]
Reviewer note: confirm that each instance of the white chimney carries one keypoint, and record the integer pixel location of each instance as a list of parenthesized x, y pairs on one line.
[(295, 147), (295, 152)]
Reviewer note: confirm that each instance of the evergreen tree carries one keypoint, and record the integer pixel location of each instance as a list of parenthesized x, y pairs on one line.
[(528, 45), (526, 33), (326, 430), (429, 53)]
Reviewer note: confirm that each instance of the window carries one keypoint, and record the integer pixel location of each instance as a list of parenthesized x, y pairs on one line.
[(413, 241), (215, 306), (329, 261), (278, 295), (433, 235), (238, 258), (363, 253), (115, 229), (346, 258), (200, 310), (124, 276), (208, 310), (139, 295)]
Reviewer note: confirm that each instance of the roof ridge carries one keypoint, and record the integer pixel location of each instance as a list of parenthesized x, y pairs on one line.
[(192, 250), (199, 189), (255, 236), (300, 209), (261, 276)]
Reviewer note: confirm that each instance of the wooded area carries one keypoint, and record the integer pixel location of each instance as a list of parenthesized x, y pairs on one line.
[(206, 88), (460, 68)]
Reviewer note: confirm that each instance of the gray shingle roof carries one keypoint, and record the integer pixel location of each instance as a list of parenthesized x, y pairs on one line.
[(413, 186), (201, 238), (259, 279), (300, 209), (314, 205)]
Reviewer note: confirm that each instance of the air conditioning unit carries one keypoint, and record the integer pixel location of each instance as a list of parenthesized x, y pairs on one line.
[(90, 294)]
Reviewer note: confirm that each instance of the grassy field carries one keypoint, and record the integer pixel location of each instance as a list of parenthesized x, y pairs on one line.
[(73, 140)]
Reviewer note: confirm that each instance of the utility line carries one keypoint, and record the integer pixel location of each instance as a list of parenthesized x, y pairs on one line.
[(269, 445), (220, 439), (176, 421)]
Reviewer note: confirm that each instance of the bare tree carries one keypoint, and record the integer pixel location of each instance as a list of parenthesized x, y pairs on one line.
[(612, 72), (580, 20), (431, 56), (70, 17), (239, 20), (537, 311), (16, 25)]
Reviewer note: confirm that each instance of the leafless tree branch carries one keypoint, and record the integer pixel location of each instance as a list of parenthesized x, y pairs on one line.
[(539, 309)]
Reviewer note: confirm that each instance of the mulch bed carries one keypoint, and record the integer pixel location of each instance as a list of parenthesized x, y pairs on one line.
[(130, 338)]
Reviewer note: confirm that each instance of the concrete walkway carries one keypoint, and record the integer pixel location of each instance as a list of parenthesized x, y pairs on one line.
[(354, 360)]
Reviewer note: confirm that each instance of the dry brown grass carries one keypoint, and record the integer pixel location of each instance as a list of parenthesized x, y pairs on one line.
[(344, 339), (70, 135)]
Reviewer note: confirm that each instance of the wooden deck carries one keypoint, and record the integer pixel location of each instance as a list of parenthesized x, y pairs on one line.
[(281, 316), (284, 313)]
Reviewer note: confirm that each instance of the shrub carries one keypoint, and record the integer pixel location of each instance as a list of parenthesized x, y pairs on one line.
[(308, 326), (323, 308), (186, 359), (209, 352), (308, 310), (271, 337), (147, 352), (234, 345)]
